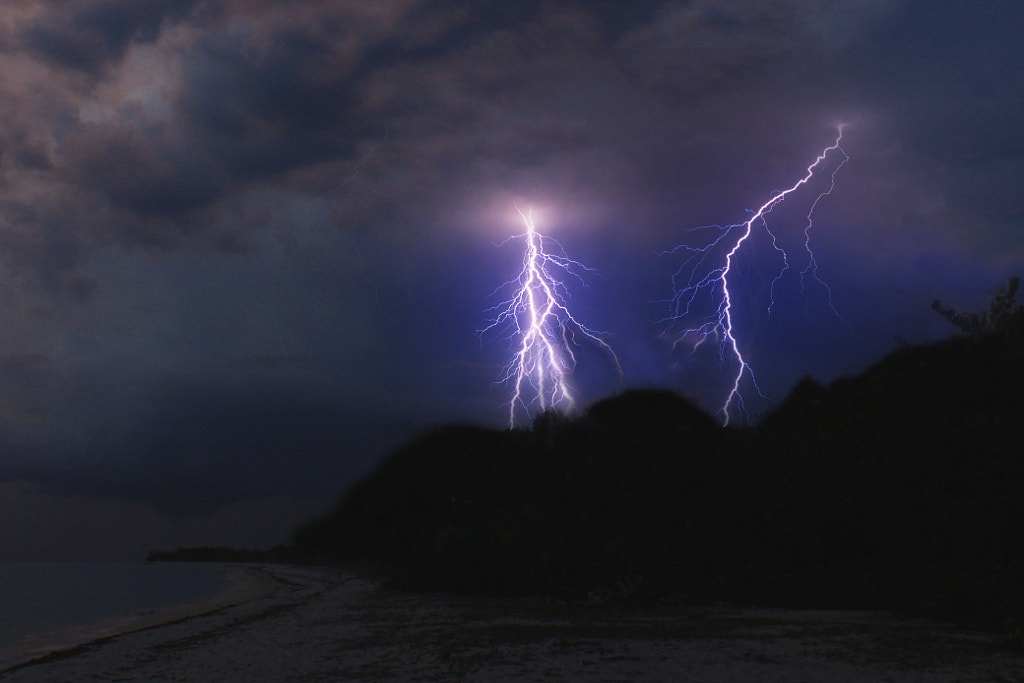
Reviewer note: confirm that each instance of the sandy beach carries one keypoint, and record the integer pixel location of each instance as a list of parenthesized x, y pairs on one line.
[(298, 624)]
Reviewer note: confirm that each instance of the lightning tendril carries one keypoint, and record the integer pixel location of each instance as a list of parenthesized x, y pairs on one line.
[(707, 271), (538, 317)]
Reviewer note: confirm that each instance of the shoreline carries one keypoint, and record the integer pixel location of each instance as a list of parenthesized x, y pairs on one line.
[(312, 624), (245, 582)]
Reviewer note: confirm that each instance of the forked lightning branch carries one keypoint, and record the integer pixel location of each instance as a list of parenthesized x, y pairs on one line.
[(544, 334), (710, 270)]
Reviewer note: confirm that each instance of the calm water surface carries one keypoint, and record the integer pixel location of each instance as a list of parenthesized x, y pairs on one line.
[(37, 597)]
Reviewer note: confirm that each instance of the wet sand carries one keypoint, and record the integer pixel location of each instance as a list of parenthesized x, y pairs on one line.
[(297, 624)]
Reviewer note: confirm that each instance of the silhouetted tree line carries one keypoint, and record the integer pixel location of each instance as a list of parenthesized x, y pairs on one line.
[(220, 554), (1002, 314), (900, 489)]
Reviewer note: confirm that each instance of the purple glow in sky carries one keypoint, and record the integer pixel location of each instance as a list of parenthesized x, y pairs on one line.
[(704, 274), (245, 246), (543, 331)]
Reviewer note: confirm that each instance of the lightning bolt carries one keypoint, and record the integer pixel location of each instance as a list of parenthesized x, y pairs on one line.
[(704, 273), (537, 314)]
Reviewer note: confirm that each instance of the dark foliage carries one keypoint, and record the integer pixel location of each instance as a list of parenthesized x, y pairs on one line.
[(897, 489), (651, 410), (1001, 314), (217, 554)]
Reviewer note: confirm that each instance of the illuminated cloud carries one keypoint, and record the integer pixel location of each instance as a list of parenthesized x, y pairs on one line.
[(187, 185)]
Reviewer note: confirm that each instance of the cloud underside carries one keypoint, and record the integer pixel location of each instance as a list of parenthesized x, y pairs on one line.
[(243, 189), (180, 124)]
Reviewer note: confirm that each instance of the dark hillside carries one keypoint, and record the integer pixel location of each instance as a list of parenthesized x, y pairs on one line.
[(898, 489), (567, 507)]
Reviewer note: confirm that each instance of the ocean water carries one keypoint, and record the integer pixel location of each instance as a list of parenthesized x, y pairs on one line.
[(44, 597)]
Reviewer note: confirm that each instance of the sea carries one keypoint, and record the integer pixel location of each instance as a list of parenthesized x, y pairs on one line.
[(41, 601)]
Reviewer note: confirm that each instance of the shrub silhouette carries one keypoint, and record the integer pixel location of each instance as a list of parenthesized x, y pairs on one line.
[(656, 410), (1001, 313), (895, 489)]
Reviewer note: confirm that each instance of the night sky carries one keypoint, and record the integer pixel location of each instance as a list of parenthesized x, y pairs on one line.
[(246, 246)]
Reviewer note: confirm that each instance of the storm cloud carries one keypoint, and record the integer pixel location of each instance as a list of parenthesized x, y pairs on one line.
[(246, 242)]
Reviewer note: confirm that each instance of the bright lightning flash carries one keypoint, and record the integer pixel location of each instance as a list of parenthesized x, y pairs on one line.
[(706, 272), (547, 333)]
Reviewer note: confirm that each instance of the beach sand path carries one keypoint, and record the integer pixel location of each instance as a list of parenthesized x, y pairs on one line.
[(323, 625)]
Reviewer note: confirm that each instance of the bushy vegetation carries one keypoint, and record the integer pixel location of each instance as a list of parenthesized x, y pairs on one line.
[(219, 554), (898, 489)]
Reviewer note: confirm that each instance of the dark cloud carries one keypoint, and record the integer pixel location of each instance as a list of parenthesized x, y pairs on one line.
[(96, 34), (260, 114), (138, 168), (198, 453), (42, 252), (197, 450), (244, 243)]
